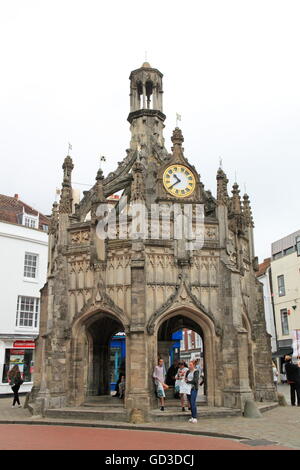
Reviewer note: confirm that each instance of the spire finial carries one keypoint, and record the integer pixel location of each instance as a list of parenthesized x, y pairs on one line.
[(177, 137)]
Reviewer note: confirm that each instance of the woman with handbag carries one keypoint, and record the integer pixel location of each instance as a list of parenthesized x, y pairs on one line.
[(159, 378), (15, 381), (192, 379), (180, 384)]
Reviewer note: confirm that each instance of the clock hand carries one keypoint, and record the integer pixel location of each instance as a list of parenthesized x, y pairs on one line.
[(176, 182)]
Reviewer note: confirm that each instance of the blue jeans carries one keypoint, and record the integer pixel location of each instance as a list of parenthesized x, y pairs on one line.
[(192, 401)]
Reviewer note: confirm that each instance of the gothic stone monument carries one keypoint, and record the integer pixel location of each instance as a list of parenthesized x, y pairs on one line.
[(150, 286)]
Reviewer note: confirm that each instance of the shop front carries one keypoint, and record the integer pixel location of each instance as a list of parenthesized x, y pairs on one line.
[(16, 352)]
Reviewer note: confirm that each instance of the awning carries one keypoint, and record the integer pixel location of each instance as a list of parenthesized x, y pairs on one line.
[(283, 352)]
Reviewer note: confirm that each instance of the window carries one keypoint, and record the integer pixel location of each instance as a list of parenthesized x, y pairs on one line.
[(30, 265), (27, 312), (45, 227), (298, 245), (277, 255), (284, 322), (289, 250), (281, 286), (189, 336), (23, 358), (198, 341), (29, 221)]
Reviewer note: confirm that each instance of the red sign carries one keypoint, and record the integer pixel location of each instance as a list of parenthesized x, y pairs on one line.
[(24, 344)]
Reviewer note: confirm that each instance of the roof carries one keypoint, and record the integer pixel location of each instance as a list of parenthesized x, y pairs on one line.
[(284, 243), (262, 268), (11, 207)]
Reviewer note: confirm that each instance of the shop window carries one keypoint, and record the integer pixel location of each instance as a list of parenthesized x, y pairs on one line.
[(21, 357)]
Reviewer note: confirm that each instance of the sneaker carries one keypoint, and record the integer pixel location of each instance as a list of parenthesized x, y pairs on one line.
[(19, 406), (194, 420), (191, 420), (183, 409), (12, 406), (162, 408)]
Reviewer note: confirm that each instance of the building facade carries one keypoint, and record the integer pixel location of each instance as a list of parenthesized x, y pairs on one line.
[(147, 280), (191, 346), (265, 277), (23, 271), (285, 268)]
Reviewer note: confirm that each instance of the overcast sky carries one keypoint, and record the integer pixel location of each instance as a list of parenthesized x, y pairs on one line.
[(231, 69)]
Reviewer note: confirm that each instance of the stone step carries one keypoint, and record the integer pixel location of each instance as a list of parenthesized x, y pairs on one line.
[(104, 402), (176, 404), (84, 413), (118, 404), (171, 414), (181, 416)]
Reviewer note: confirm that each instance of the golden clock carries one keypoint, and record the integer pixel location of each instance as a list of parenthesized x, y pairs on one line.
[(179, 181)]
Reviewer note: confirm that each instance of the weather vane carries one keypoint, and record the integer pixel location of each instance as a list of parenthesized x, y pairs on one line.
[(178, 118), (102, 159)]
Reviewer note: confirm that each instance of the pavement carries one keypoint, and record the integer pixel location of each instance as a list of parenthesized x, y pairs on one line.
[(277, 428)]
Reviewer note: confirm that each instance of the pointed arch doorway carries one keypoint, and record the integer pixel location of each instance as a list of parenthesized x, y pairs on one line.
[(187, 331), (106, 354)]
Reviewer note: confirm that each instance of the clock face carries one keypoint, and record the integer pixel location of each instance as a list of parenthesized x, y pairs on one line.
[(179, 181)]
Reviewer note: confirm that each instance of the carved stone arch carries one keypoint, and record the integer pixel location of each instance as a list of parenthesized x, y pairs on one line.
[(89, 315), (100, 300), (182, 298), (90, 338)]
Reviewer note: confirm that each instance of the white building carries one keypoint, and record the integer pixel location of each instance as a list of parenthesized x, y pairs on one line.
[(23, 269), (265, 277), (285, 268)]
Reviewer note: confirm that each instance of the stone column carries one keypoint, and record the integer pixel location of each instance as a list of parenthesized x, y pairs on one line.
[(237, 389), (137, 363), (144, 96), (163, 350)]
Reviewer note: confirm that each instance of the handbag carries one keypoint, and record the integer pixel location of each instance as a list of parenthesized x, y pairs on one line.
[(19, 381)]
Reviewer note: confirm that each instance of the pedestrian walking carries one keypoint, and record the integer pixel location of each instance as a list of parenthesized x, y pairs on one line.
[(159, 375), (181, 386), (293, 378), (275, 374), (15, 381), (192, 379)]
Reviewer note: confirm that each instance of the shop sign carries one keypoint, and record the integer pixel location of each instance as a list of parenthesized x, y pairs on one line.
[(24, 344)]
